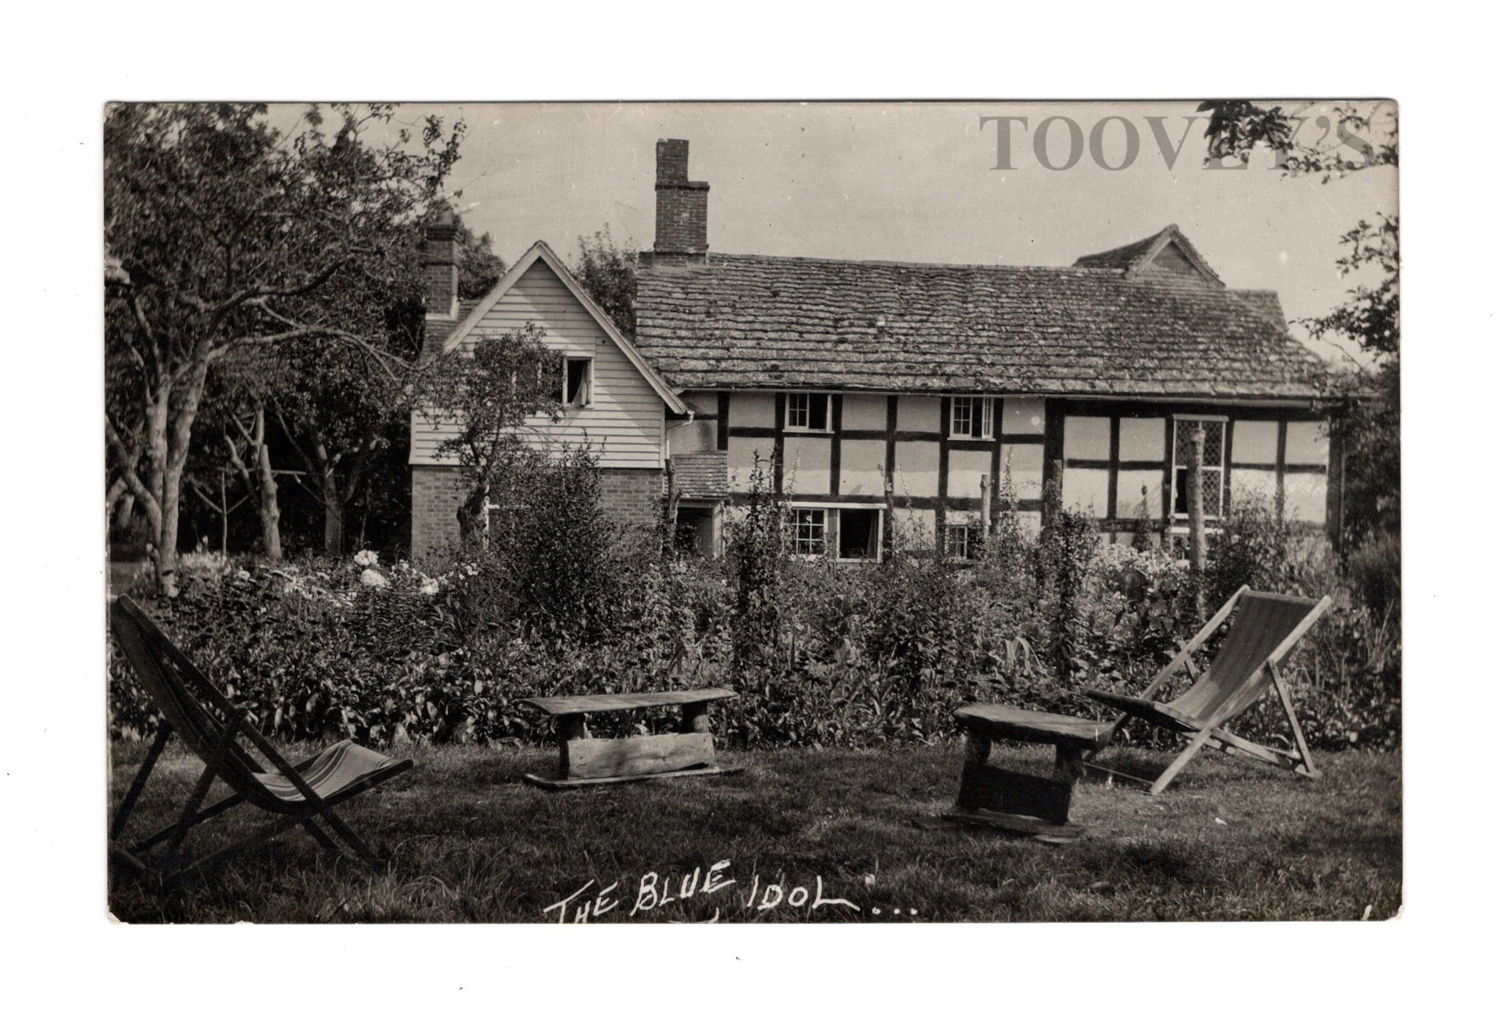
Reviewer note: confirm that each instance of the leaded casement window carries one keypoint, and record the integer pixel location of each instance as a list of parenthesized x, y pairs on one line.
[(962, 540), (809, 531), (1213, 463), (972, 418), (807, 412)]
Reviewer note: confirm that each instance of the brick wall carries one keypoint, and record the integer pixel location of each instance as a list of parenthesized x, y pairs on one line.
[(629, 495), (435, 495), (632, 496)]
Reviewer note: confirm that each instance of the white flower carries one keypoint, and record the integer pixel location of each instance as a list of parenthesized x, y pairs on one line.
[(370, 578), (243, 574), (366, 558), (429, 586)]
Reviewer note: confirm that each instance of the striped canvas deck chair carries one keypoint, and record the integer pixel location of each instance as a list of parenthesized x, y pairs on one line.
[(1265, 629), (211, 726)]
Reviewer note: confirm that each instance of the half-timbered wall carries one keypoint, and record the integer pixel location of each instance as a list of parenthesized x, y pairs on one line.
[(1118, 460), (1116, 457), (879, 450)]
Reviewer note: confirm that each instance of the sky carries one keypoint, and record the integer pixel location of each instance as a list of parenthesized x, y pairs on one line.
[(908, 182)]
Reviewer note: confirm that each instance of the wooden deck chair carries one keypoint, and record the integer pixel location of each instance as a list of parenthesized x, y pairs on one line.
[(1266, 628), (211, 726)]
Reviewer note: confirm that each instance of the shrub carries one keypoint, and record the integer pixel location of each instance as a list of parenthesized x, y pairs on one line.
[(756, 549), (552, 560), (847, 656), (1375, 568)]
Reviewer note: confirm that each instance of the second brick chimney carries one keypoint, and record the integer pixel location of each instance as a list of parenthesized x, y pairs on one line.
[(681, 207), (440, 265)]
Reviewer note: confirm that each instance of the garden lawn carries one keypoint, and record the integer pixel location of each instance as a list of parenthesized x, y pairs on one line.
[(469, 841)]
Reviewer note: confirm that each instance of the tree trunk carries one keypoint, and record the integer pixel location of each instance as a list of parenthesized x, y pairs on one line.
[(223, 516), (270, 503), (471, 517), (333, 515), (261, 485)]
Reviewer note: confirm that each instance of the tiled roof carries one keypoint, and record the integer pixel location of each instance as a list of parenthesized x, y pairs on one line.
[(439, 328), (1137, 255), (787, 322), (1120, 257), (701, 475)]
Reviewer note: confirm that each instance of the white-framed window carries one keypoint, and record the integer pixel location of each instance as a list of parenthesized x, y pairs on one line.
[(859, 535), (808, 412), (972, 418), (578, 382), (961, 540), (1183, 427), (809, 531)]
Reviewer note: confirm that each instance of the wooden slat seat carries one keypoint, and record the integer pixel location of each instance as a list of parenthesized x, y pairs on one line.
[(585, 760), (1013, 724), (1150, 710), (557, 706)]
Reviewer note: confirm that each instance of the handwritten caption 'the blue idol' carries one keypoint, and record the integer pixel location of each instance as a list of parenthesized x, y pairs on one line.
[(593, 902)]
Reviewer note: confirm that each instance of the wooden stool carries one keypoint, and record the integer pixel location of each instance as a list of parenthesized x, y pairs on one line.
[(1021, 802), (585, 760)]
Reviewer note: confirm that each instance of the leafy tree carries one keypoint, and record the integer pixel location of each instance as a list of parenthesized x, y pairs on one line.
[(488, 393), (235, 412), (343, 413), (607, 272), (479, 269), (222, 233), (1351, 139)]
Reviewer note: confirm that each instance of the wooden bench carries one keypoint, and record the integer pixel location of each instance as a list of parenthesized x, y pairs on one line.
[(1021, 802), (586, 760)]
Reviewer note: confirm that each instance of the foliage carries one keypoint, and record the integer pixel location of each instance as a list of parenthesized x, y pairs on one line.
[(858, 655), (552, 560), (479, 267), (1257, 546), (1375, 568), (490, 391), (755, 546), (222, 235), (1236, 127), (607, 272), (1067, 544)]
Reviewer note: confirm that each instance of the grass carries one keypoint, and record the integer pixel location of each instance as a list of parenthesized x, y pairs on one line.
[(1230, 840)]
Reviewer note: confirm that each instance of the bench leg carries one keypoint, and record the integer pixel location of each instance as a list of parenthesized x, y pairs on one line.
[(1019, 802), (1068, 767), (976, 748), (694, 718), (569, 727)]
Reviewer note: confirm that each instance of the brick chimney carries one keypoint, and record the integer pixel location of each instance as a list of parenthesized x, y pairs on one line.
[(440, 265), (681, 207)]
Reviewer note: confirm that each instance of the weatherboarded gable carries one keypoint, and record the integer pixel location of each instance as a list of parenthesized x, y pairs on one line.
[(623, 426)]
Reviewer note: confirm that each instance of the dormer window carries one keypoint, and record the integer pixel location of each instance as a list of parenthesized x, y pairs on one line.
[(807, 412), (972, 418), (578, 382)]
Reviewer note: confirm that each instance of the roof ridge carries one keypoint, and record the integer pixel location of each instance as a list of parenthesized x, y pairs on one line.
[(916, 264)]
